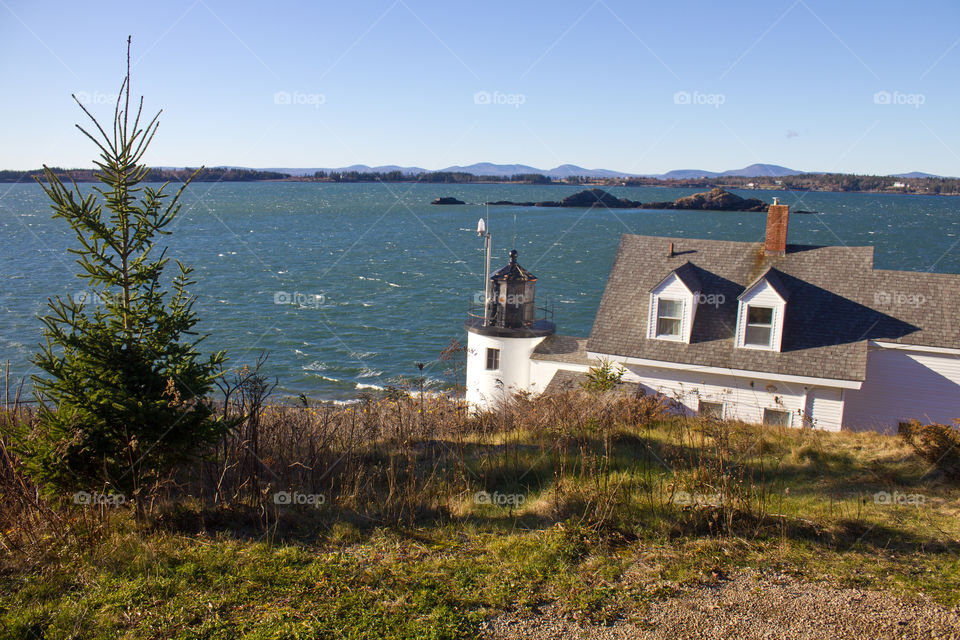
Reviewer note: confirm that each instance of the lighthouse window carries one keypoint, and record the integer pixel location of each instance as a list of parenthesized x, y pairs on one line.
[(493, 359)]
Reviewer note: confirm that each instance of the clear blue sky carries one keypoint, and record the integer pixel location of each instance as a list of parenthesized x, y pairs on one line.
[(589, 83)]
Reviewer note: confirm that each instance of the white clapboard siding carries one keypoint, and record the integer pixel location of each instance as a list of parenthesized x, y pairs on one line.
[(825, 407), (901, 385), (742, 398)]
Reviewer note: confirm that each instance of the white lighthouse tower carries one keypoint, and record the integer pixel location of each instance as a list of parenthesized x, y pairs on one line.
[(502, 335)]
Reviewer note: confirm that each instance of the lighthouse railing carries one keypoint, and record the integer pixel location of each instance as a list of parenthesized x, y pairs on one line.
[(479, 311)]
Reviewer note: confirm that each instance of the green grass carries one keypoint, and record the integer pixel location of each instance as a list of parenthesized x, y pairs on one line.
[(808, 510)]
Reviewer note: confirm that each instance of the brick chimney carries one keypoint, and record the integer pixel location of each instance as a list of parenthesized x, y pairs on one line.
[(778, 216)]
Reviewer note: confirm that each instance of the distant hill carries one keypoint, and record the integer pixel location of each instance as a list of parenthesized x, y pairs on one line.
[(753, 171), (490, 169), (558, 173), (914, 174), (570, 170), (762, 171)]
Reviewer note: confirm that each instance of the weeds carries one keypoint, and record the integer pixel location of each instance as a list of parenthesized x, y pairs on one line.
[(418, 515)]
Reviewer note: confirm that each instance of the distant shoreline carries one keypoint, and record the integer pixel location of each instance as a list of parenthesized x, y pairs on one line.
[(801, 183)]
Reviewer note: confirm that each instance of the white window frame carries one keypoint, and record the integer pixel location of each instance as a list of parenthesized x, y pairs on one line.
[(713, 403), (492, 351), (761, 295), (788, 413), (770, 327), (674, 289), (678, 336)]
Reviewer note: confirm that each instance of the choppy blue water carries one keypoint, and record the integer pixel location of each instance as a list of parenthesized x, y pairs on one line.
[(348, 286)]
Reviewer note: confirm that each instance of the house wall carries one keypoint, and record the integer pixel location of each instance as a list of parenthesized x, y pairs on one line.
[(542, 371), (743, 398), (825, 406), (902, 384)]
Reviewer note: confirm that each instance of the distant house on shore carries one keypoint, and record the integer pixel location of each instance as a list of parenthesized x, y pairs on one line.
[(767, 332)]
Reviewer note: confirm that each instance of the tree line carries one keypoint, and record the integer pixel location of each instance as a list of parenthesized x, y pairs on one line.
[(802, 182), (203, 174)]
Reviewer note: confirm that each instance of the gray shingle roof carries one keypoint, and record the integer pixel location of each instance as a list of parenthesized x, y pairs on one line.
[(771, 278), (566, 380), (687, 275), (567, 349), (837, 302)]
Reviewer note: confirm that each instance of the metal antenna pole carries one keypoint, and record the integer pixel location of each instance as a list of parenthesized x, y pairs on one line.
[(486, 272)]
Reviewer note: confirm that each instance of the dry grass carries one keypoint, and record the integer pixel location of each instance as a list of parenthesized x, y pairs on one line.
[(596, 502)]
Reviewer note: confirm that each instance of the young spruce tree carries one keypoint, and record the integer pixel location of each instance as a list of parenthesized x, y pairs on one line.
[(124, 397)]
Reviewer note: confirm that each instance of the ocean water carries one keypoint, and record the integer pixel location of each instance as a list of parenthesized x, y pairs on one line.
[(347, 286)]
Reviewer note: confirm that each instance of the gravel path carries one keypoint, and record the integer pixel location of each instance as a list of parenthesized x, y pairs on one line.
[(752, 605)]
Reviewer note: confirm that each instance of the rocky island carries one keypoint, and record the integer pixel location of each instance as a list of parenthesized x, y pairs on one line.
[(714, 200)]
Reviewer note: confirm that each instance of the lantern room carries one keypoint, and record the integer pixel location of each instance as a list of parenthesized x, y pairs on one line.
[(510, 308), (512, 296)]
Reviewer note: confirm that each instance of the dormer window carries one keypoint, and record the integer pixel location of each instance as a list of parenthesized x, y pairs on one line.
[(673, 305), (759, 326), (760, 315), (669, 318)]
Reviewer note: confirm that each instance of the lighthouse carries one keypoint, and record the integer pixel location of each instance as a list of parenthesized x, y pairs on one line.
[(502, 333)]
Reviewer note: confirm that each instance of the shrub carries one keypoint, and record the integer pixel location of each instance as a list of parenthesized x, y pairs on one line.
[(938, 444), (604, 376)]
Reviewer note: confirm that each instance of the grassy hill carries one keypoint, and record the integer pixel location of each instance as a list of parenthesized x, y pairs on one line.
[(401, 517)]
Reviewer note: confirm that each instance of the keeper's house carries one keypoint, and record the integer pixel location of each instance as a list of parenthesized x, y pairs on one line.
[(762, 332)]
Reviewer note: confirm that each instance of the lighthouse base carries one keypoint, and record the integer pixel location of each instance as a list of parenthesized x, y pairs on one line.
[(498, 363)]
